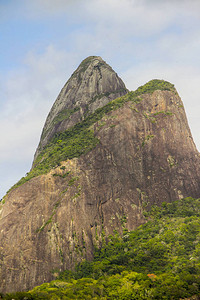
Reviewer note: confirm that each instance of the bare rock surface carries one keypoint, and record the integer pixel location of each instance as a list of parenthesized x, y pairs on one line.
[(91, 86), (146, 155)]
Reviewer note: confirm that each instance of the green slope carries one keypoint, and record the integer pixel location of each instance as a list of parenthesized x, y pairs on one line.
[(80, 139), (159, 260)]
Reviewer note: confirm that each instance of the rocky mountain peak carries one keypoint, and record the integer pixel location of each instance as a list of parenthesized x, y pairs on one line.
[(91, 86), (98, 171)]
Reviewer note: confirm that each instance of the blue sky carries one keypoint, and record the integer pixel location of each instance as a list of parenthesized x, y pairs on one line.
[(43, 41)]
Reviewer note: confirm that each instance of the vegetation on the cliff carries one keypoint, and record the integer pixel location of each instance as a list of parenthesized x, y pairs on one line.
[(154, 85), (80, 139), (159, 260), (64, 115)]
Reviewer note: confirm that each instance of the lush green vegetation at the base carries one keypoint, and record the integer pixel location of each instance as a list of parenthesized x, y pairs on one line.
[(80, 139), (159, 260)]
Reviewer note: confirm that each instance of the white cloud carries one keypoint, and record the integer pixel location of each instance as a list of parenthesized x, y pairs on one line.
[(50, 8), (30, 93), (52, 5), (141, 18)]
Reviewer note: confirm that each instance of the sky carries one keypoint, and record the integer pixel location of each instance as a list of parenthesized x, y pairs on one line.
[(43, 41)]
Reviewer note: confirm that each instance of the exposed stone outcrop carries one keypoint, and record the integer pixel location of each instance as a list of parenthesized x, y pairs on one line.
[(146, 155), (91, 86)]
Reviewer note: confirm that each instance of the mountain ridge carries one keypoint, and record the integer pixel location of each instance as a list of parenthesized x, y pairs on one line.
[(109, 167)]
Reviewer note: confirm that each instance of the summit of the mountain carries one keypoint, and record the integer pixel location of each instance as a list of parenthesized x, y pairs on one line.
[(91, 86)]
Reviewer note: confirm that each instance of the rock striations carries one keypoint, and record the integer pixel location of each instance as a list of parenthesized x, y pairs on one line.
[(91, 86), (105, 156)]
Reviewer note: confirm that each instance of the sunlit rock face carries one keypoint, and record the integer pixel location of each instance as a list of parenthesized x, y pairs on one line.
[(145, 156)]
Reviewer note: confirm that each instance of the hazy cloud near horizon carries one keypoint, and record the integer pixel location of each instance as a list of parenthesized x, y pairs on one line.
[(42, 42)]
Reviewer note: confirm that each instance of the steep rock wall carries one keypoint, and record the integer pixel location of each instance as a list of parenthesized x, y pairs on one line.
[(146, 155), (90, 87)]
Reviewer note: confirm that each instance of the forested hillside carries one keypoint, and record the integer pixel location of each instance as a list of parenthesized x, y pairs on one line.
[(158, 260)]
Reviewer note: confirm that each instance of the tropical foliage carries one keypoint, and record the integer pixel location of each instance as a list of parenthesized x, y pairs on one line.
[(159, 260)]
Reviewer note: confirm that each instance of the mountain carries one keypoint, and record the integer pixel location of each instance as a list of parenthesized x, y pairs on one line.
[(102, 162), (91, 86)]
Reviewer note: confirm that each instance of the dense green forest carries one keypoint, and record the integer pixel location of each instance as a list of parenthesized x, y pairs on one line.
[(158, 260)]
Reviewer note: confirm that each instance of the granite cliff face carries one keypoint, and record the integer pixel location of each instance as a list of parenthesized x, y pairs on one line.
[(125, 156), (91, 86)]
